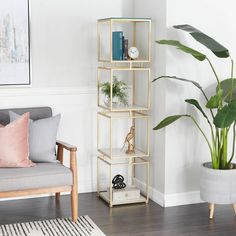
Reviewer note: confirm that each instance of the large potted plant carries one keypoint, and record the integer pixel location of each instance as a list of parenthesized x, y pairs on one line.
[(218, 177)]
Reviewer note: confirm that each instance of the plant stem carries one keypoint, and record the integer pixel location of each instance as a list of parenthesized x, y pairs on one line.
[(232, 76), (218, 146), (233, 149), (224, 135), (213, 69), (204, 135), (232, 67)]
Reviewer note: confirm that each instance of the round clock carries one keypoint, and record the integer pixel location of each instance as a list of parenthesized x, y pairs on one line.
[(133, 53)]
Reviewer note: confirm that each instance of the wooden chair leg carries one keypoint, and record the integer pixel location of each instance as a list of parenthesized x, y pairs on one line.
[(74, 204), (74, 192), (59, 158), (234, 206), (212, 209), (58, 195)]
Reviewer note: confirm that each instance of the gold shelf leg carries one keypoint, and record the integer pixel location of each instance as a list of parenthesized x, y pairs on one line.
[(98, 187), (147, 182), (110, 189)]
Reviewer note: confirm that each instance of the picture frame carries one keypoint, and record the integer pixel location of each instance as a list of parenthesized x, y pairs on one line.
[(15, 50)]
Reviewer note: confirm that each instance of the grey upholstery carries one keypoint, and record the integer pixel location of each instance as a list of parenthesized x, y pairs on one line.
[(44, 175), (36, 113)]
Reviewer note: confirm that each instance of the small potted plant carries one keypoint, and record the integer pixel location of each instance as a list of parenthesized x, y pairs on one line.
[(218, 177), (119, 95)]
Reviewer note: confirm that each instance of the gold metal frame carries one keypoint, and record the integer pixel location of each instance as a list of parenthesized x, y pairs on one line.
[(134, 106), (144, 197), (133, 112), (110, 152), (135, 21)]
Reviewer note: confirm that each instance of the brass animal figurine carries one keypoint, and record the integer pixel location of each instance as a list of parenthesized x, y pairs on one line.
[(129, 138)]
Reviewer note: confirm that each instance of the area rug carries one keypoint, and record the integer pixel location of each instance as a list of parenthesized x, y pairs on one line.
[(59, 227)]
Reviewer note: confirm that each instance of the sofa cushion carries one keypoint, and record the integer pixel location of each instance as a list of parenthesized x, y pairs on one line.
[(14, 146), (43, 175), (42, 138), (36, 113)]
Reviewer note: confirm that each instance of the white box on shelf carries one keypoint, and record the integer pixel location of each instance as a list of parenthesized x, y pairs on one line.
[(127, 193)]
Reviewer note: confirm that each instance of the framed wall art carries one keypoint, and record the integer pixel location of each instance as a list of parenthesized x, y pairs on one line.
[(14, 43)]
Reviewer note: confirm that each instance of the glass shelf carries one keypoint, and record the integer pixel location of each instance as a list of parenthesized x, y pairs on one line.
[(124, 19), (120, 153), (105, 196)]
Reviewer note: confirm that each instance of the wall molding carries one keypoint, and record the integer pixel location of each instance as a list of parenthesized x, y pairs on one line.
[(185, 198), (154, 194), (29, 91), (169, 200)]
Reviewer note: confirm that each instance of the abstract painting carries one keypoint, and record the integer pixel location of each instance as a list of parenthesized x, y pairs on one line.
[(14, 43)]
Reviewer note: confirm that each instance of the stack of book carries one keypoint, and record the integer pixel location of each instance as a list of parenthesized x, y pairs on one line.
[(119, 46)]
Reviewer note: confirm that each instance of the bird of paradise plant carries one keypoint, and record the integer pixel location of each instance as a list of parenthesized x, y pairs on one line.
[(222, 105)]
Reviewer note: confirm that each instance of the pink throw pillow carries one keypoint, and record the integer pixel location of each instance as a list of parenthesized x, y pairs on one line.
[(14, 151)]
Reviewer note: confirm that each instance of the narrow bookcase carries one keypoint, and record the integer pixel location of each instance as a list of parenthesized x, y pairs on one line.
[(114, 121)]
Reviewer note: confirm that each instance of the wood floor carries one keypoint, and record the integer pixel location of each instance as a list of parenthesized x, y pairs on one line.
[(140, 220)]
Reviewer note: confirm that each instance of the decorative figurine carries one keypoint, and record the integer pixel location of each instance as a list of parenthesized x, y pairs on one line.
[(129, 137), (118, 182)]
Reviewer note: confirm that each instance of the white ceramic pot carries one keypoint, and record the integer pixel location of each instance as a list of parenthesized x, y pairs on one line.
[(218, 186), (115, 102)]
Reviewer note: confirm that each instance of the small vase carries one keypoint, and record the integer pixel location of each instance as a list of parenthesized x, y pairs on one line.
[(115, 102)]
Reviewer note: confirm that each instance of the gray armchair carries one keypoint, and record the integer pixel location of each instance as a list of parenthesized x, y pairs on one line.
[(45, 177)]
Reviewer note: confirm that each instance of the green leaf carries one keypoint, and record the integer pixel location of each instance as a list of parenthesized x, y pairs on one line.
[(184, 80), (169, 120), (215, 100), (195, 103), (228, 86), (226, 116), (181, 79), (198, 55), (218, 49)]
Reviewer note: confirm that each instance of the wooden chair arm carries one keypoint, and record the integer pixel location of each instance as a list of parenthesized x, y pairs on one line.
[(67, 146), (73, 166), (62, 145)]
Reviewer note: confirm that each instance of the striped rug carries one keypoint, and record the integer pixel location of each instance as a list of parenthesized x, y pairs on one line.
[(59, 227)]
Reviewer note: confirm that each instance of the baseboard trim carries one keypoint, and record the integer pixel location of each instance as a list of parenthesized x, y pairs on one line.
[(154, 194), (185, 198), (170, 200), (164, 200)]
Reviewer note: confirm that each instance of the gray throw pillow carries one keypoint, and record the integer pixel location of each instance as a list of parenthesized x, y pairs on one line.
[(42, 138)]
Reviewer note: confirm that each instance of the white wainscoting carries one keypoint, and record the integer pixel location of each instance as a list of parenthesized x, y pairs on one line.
[(78, 126), (78, 123)]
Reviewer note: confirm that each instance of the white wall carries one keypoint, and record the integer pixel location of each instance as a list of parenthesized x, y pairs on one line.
[(179, 150), (187, 149), (64, 66), (156, 9), (64, 39)]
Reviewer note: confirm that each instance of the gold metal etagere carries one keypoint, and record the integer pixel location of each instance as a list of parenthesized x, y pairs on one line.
[(134, 113)]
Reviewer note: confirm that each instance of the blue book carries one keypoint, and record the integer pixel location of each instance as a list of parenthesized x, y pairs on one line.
[(117, 45)]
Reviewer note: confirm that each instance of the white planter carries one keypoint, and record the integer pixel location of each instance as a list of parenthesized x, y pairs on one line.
[(218, 186), (115, 102)]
